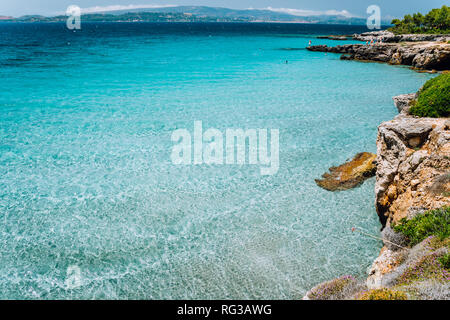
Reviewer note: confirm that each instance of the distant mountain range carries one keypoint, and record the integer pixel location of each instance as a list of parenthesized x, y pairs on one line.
[(196, 14)]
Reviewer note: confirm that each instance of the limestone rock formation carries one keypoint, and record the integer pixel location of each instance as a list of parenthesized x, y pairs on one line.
[(334, 37), (420, 55), (413, 166), (367, 36), (386, 262), (403, 102), (388, 36), (413, 270), (412, 176)]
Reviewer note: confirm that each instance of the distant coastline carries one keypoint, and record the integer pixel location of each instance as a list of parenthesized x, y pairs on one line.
[(197, 14)]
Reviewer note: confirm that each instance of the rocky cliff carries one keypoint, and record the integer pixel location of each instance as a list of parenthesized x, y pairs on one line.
[(412, 181), (412, 177), (413, 165)]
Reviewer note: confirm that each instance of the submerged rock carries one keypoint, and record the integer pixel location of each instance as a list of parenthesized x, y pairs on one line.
[(349, 174)]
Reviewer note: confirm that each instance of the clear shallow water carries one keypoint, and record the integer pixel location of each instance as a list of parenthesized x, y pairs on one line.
[(86, 177)]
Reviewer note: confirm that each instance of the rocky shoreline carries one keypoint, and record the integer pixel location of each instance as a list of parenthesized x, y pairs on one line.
[(413, 166), (388, 36), (423, 52), (332, 37), (412, 176)]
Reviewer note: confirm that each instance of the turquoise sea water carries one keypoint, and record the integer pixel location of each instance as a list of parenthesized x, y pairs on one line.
[(86, 178)]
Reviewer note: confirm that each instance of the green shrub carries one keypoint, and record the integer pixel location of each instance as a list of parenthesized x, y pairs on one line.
[(383, 294), (431, 223), (445, 261), (434, 98), (437, 21)]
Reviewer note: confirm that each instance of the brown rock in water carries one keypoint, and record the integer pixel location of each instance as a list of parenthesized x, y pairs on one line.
[(349, 174)]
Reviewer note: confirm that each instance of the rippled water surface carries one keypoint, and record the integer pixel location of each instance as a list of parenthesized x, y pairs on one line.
[(86, 178)]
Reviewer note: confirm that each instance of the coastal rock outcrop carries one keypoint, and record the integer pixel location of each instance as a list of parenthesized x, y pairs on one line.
[(413, 166), (403, 102), (367, 36), (386, 262), (412, 179), (349, 174), (420, 55), (388, 36), (333, 37)]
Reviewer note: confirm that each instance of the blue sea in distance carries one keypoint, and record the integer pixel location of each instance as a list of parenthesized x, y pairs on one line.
[(86, 177)]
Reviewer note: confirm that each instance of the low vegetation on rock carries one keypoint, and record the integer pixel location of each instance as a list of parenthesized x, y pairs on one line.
[(436, 21), (424, 272), (427, 267), (445, 261), (434, 98), (421, 271), (431, 223), (383, 294), (336, 289)]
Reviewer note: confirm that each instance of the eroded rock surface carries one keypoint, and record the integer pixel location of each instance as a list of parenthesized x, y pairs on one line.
[(386, 262), (403, 102), (388, 36), (412, 176), (335, 37), (413, 166), (349, 174)]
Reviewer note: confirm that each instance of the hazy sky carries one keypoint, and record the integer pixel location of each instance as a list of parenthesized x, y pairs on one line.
[(389, 8)]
